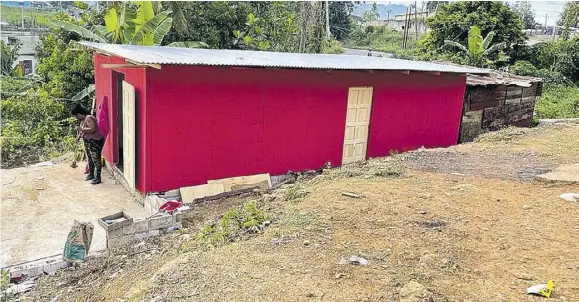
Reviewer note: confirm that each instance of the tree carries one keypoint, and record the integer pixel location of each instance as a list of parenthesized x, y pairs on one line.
[(526, 13), (340, 18), (372, 14), (7, 56), (126, 23), (569, 18), (212, 22), (477, 49), (453, 21)]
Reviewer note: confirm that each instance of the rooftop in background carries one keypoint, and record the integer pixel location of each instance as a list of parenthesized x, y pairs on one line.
[(164, 55)]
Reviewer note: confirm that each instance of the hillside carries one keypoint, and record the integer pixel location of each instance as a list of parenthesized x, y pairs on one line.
[(466, 223)]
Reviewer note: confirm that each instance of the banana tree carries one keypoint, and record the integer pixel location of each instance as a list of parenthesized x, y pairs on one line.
[(477, 49), (126, 23)]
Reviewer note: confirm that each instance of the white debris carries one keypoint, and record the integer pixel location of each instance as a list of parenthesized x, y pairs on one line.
[(573, 197), (21, 288), (356, 260), (44, 164)]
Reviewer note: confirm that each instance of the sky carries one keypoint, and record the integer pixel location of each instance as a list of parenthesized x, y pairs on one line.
[(552, 9)]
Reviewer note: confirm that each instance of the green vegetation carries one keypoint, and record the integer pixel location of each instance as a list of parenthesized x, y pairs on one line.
[(478, 49), (234, 224), (32, 17), (454, 20), (8, 55), (558, 101), (379, 38)]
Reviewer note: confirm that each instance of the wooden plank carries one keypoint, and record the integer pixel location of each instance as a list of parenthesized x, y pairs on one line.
[(221, 195), (435, 73), (156, 66), (240, 182), (189, 194), (350, 194), (481, 105), (404, 71), (123, 66)]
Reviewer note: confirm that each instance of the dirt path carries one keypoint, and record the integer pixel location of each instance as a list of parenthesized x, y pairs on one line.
[(483, 236), (39, 206)]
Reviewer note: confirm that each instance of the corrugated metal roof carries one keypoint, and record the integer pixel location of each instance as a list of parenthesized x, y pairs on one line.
[(164, 55), (501, 78)]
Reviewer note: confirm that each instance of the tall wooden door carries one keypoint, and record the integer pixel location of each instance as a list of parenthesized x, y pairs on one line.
[(129, 132), (357, 124)]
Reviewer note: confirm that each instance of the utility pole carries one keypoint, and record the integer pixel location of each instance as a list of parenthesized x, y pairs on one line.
[(22, 10), (545, 23), (328, 34), (415, 22), (406, 25)]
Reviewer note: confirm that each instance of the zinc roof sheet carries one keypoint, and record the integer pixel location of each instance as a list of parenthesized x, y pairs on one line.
[(165, 55)]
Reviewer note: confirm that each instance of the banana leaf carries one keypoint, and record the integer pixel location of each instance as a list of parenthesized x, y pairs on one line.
[(81, 31), (189, 44), (156, 28)]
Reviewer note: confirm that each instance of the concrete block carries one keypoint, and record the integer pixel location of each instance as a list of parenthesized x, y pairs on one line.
[(178, 217), (39, 267), (115, 233), (161, 221), (138, 226), (147, 234), (172, 194)]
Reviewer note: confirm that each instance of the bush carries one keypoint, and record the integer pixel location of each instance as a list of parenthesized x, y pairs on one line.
[(332, 46), (34, 126), (558, 101), (525, 68)]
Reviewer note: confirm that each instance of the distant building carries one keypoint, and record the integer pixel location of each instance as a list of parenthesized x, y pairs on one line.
[(399, 21)]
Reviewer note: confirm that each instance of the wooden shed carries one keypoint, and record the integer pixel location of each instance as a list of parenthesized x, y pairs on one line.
[(496, 101), (180, 117)]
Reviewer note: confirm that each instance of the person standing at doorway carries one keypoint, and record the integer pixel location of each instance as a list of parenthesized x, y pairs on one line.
[(93, 142)]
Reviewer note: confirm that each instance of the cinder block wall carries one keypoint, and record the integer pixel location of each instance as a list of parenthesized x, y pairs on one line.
[(492, 107), (143, 228)]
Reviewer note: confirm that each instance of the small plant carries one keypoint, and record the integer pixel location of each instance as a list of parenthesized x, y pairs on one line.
[(295, 194), (233, 224), (387, 172)]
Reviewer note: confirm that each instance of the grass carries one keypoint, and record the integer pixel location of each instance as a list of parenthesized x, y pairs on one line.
[(558, 101), (379, 38), (13, 15)]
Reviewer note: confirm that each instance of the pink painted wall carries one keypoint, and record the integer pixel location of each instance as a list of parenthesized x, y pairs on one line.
[(105, 82), (215, 122)]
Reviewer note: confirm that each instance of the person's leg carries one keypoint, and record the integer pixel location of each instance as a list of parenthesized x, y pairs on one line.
[(91, 167), (96, 153)]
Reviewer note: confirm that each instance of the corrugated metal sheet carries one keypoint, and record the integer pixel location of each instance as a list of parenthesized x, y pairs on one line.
[(501, 78), (188, 56)]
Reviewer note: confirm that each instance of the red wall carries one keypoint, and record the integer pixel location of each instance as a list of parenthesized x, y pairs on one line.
[(105, 84), (214, 122)]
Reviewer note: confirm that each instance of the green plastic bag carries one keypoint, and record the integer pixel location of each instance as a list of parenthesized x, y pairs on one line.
[(78, 242)]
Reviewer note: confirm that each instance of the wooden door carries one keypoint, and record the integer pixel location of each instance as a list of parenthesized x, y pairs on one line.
[(129, 134), (357, 124)]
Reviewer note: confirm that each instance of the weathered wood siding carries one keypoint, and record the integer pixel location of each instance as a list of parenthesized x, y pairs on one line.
[(492, 107)]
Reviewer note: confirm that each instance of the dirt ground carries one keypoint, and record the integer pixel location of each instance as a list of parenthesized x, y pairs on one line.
[(467, 223)]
